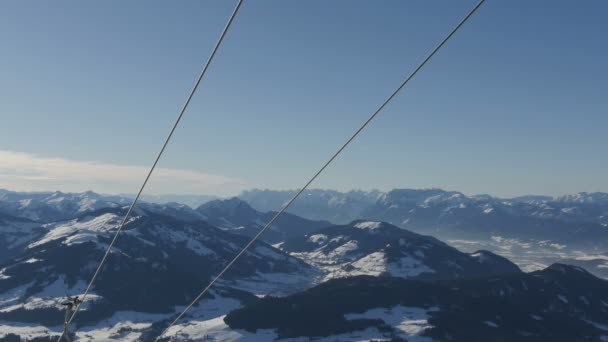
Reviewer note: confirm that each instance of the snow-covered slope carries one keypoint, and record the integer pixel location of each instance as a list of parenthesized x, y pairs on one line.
[(158, 263), (378, 248)]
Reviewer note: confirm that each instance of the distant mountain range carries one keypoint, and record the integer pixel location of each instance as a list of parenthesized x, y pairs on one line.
[(420, 208), (330, 205), (367, 279), (534, 231)]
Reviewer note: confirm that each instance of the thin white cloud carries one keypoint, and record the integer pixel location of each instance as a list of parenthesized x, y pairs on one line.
[(28, 172)]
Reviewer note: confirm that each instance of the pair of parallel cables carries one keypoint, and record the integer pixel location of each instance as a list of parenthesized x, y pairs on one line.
[(288, 204)]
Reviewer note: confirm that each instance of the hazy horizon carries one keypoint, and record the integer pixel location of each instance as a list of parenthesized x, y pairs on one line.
[(216, 196)]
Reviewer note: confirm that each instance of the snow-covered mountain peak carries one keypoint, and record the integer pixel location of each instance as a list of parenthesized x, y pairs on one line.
[(378, 248), (55, 206)]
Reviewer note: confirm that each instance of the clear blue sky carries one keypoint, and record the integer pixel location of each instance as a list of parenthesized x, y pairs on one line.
[(515, 104)]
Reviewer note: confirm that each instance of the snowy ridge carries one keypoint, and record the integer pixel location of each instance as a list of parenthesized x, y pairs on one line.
[(377, 248), (55, 206), (80, 230)]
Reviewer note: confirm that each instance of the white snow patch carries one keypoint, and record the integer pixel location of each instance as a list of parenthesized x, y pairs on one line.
[(338, 239), (343, 250), (410, 322), (31, 260), (491, 324), (373, 264), (318, 238), (371, 225), (2, 275)]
